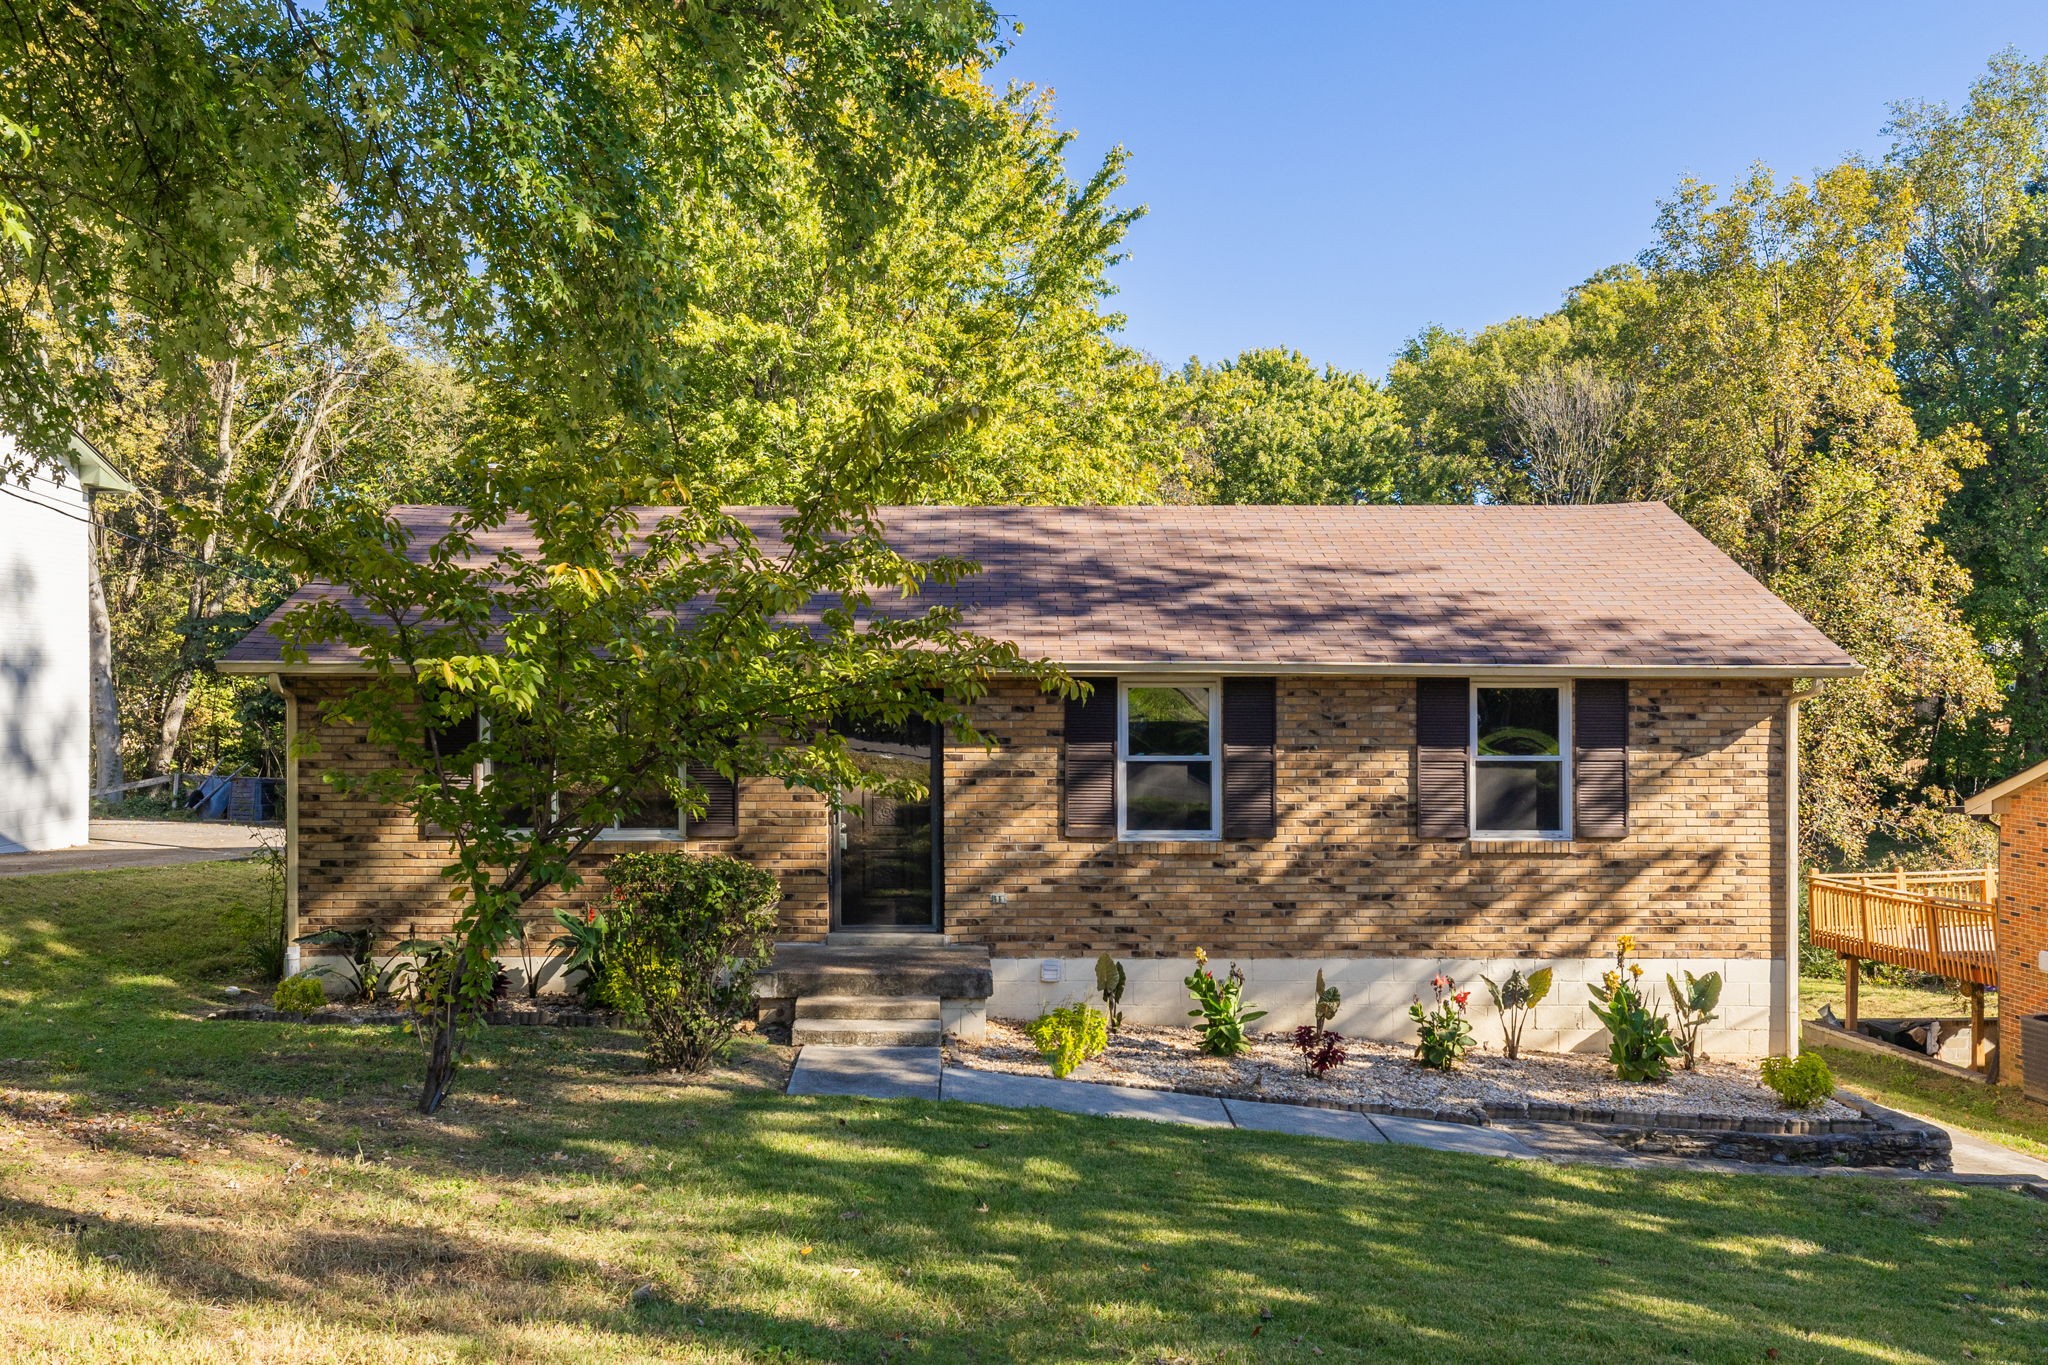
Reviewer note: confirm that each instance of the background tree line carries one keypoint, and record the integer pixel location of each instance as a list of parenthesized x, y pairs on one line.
[(646, 249)]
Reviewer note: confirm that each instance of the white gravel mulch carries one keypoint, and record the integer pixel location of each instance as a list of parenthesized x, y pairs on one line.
[(1386, 1074)]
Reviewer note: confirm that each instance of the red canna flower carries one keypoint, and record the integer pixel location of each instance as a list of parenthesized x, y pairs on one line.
[(1461, 997)]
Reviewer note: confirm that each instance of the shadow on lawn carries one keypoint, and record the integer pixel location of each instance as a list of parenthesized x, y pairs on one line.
[(1012, 1234), (1031, 1234)]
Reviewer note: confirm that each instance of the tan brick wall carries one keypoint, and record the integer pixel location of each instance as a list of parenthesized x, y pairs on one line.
[(2022, 922), (362, 863), (1700, 875)]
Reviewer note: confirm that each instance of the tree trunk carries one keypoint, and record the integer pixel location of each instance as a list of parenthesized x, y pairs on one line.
[(106, 707), (441, 1060), (166, 751)]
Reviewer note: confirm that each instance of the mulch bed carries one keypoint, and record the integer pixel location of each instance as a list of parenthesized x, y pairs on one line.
[(541, 1013), (1383, 1077)]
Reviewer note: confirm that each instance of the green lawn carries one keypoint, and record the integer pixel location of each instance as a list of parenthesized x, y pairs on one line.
[(178, 1190)]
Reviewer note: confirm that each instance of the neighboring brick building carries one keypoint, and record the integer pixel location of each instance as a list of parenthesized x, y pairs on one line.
[(2020, 805), (1374, 742)]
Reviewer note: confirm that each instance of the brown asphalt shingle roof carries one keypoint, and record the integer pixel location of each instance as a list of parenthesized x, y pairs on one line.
[(1618, 586)]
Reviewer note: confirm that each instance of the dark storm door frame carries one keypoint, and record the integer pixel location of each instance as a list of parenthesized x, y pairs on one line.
[(834, 878)]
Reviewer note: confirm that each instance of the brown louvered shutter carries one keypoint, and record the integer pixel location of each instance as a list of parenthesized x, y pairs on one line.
[(1249, 809), (721, 818), (1600, 759), (1443, 737), (1088, 790)]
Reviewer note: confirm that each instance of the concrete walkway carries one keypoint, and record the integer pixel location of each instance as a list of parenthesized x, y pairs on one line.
[(919, 1073), (145, 843)]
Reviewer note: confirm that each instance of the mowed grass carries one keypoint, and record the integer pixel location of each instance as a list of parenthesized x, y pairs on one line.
[(176, 1189)]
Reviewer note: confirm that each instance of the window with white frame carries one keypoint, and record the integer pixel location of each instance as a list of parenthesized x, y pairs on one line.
[(1168, 742), (1521, 761)]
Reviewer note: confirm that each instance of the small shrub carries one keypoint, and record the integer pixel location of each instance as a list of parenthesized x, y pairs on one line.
[(423, 973), (299, 995), (1221, 1008), (1110, 980), (1069, 1036), (358, 974), (1514, 998), (1693, 1004), (686, 935), (1321, 1050), (1639, 1043), (584, 945), (1802, 1083), (1445, 1032)]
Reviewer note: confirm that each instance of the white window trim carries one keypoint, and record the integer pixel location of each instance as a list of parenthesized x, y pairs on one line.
[(1563, 760), (615, 833), (1214, 758)]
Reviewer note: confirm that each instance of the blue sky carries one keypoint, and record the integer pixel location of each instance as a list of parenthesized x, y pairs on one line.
[(1333, 177)]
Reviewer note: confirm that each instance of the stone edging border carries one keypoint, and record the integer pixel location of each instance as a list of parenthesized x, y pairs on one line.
[(1477, 1114), (1881, 1137), (501, 1018)]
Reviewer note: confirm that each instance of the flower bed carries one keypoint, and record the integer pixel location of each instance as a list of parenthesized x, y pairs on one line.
[(1579, 1087)]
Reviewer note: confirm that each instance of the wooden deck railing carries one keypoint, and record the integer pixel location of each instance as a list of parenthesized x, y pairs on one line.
[(1936, 922), (1943, 923)]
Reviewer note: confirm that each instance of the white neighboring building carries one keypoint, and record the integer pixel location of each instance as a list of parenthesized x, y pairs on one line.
[(45, 679)]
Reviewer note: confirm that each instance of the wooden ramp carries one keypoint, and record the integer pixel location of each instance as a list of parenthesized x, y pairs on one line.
[(1941, 923)]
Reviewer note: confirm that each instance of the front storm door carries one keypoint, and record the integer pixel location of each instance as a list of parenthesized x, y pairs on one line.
[(887, 869)]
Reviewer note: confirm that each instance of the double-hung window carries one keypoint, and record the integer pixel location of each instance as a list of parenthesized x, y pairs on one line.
[(1521, 761), (1169, 760)]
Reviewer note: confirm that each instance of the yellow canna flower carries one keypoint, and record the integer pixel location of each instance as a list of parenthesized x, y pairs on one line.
[(1627, 944), (1612, 980), (1635, 969)]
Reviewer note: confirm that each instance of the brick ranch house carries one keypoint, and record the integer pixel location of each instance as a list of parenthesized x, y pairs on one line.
[(1378, 742)]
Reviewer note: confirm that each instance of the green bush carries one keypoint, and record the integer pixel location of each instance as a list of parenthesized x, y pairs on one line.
[(1069, 1036), (1221, 1007), (1639, 1042), (299, 994), (1804, 1083), (585, 946), (685, 937), (1442, 1032)]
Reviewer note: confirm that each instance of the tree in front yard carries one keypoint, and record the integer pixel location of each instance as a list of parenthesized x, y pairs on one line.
[(541, 669)]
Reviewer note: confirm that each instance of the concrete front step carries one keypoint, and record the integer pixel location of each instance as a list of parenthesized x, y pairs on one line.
[(949, 971), (867, 1032), (923, 1008)]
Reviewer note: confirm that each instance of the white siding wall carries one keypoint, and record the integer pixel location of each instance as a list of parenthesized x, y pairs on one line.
[(45, 735)]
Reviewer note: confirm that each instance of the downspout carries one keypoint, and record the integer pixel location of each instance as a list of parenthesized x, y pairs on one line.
[(1788, 999), (291, 823)]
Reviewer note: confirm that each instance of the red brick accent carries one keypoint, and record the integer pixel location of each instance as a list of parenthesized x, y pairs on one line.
[(2022, 921)]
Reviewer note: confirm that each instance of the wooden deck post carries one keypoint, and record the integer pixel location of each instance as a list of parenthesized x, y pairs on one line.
[(1852, 974), (1979, 1048)]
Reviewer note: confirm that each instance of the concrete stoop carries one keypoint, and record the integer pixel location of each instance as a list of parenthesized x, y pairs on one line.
[(880, 991)]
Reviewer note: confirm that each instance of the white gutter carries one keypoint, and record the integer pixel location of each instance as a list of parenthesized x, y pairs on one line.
[(291, 824), (1241, 669), (1788, 999)]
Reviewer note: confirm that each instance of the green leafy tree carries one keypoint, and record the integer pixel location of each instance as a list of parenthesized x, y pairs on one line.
[(605, 650), (1741, 372), (1973, 313), (1270, 427)]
